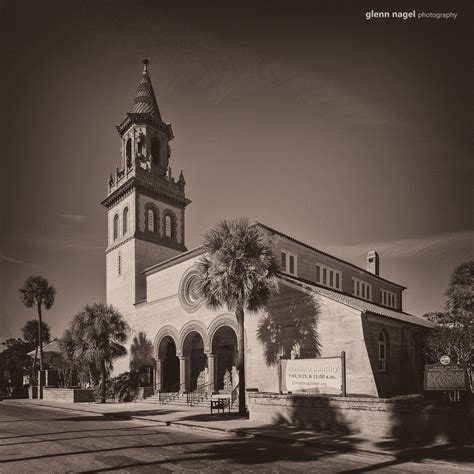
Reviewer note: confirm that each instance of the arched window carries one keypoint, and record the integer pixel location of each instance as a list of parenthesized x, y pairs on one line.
[(116, 226), (125, 221), (128, 149), (383, 351), (150, 220), (167, 226), (155, 150)]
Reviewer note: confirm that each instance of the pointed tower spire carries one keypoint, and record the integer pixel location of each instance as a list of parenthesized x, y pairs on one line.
[(145, 101)]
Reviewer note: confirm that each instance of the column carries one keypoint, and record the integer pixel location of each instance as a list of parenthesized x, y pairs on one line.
[(158, 374), (183, 373), (211, 361)]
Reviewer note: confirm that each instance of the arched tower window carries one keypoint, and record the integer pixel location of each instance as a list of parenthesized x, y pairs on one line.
[(150, 220), (128, 149), (116, 226), (125, 220), (384, 351), (169, 224), (155, 150)]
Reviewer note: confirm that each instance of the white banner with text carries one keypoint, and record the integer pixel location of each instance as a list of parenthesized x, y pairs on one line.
[(322, 375)]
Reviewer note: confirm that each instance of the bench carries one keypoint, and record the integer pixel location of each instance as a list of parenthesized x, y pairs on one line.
[(220, 404)]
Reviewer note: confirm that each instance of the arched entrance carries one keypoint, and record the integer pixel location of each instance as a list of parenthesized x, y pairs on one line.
[(169, 366), (193, 352), (224, 348)]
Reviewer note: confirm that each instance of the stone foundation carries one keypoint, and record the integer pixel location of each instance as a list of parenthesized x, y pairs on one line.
[(71, 395), (399, 419)]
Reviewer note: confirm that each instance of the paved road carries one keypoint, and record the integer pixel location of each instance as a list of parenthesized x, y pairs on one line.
[(41, 440)]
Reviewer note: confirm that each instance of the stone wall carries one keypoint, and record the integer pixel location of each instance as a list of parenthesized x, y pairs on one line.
[(71, 395), (371, 417)]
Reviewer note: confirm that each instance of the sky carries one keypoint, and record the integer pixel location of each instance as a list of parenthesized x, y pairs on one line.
[(344, 133)]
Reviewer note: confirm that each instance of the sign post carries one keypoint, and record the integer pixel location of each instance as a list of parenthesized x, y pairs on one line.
[(343, 373)]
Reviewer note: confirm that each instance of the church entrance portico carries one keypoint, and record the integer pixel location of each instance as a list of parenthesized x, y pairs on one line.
[(224, 349), (168, 365), (194, 361)]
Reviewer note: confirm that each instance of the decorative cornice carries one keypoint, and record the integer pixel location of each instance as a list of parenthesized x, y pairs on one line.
[(147, 119), (155, 238), (118, 244)]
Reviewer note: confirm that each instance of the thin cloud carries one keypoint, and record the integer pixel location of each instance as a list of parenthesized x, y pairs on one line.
[(18, 262), (73, 217)]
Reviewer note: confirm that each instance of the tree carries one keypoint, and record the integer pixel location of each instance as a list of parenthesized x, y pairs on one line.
[(239, 271), (36, 291), (14, 359), (453, 334), (31, 336), (99, 331)]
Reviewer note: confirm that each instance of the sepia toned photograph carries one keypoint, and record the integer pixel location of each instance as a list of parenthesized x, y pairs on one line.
[(236, 236)]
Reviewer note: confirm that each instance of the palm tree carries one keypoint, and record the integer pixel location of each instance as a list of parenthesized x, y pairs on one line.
[(31, 336), (238, 270), (99, 331), (37, 291)]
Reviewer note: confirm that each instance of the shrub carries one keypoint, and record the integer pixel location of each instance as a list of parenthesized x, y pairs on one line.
[(125, 386)]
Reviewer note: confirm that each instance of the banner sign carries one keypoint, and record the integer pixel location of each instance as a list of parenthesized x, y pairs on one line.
[(324, 375), (446, 377)]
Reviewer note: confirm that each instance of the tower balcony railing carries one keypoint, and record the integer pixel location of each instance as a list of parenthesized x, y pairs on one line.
[(146, 170)]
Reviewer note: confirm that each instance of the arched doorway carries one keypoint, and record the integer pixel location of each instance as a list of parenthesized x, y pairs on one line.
[(193, 351), (170, 365), (224, 348)]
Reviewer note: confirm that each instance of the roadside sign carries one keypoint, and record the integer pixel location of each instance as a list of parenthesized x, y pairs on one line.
[(446, 377)]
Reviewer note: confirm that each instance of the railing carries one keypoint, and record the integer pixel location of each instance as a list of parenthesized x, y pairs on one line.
[(171, 392), (234, 395), (198, 394)]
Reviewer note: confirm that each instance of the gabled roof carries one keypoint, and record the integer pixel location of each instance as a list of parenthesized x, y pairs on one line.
[(274, 231), (356, 303), (52, 346), (145, 100)]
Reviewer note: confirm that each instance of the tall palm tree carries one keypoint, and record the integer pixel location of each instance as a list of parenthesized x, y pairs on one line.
[(99, 331), (36, 291), (31, 336), (239, 271)]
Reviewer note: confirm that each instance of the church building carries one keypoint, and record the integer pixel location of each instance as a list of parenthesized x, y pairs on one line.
[(150, 280)]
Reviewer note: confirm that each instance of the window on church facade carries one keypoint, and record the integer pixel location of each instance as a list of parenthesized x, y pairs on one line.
[(128, 149), (125, 220), (168, 228), (362, 289), (116, 226), (383, 344), (119, 264), (328, 276), (150, 220), (388, 298), (288, 262)]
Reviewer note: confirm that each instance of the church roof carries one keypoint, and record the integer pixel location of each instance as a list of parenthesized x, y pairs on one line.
[(357, 303), (145, 100)]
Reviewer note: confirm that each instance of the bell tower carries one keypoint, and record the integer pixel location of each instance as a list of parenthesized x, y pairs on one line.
[(145, 203)]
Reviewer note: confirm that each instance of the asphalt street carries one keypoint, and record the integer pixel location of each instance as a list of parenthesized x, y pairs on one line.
[(41, 440)]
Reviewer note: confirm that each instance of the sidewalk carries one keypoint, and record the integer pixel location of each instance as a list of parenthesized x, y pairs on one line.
[(199, 418)]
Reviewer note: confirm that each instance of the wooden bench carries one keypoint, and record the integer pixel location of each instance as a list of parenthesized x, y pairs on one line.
[(220, 404)]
